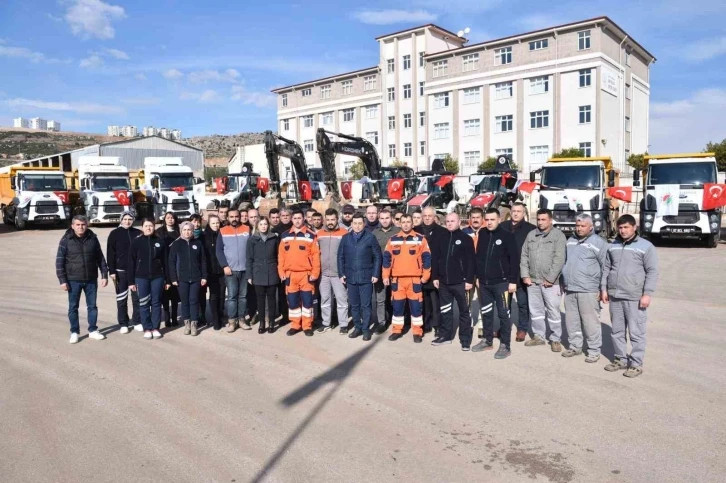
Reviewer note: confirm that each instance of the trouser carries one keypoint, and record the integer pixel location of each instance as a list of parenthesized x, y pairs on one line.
[(300, 300), (332, 287), (432, 308), (522, 306), (150, 294), (74, 300), (266, 302), (282, 308), (360, 298), (450, 294), (122, 296), (236, 295), (251, 301), (405, 289), (170, 300), (189, 295), (545, 302), (491, 295), (317, 302), (382, 299), (215, 286), (582, 314), (627, 314)]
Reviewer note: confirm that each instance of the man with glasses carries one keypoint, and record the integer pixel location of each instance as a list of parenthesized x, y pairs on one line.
[(397, 219)]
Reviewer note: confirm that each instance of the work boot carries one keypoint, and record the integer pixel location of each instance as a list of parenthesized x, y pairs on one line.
[(367, 336), (633, 371), (309, 332), (355, 334), (616, 365), (270, 325), (592, 358), (245, 325), (231, 325), (195, 329), (417, 339), (293, 331), (263, 326), (572, 352), (395, 336), (536, 340), (187, 327), (521, 335), (556, 346), (381, 328)]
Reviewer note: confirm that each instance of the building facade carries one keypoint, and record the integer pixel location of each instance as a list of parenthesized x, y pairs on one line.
[(583, 85), (21, 122), (36, 123)]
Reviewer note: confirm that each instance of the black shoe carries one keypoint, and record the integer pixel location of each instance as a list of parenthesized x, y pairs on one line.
[(440, 341), (355, 334), (381, 329), (418, 339), (367, 336), (293, 331), (262, 329), (465, 348), (343, 330), (437, 334), (217, 327), (309, 333), (272, 329), (393, 337)]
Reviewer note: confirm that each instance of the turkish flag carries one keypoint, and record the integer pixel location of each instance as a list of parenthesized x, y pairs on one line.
[(444, 180), (178, 189), (62, 195), (505, 177), (395, 189), (306, 191), (346, 189), (122, 197), (263, 184), (482, 200), (622, 193), (527, 186), (714, 196), (219, 185)]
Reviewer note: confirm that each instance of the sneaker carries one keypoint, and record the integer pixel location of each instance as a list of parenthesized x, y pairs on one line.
[(556, 346), (324, 328), (633, 371), (571, 352), (125, 330), (465, 348), (245, 325), (147, 334), (440, 341), (381, 329), (503, 352), (309, 332), (394, 337), (293, 331), (592, 358), (139, 328), (367, 336), (74, 338), (156, 334), (96, 335), (355, 334), (616, 365), (536, 340), (483, 346), (344, 330), (417, 339)]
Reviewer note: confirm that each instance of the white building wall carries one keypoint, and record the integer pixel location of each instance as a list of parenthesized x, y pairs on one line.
[(439, 116), (470, 142), (503, 107), (611, 126), (639, 116), (574, 96)]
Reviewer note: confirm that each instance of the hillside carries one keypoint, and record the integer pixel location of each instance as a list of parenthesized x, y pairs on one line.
[(218, 146)]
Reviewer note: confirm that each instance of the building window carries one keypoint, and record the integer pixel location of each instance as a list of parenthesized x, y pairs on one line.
[(407, 150), (326, 118), (307, 92), (627, 91), (583, 40), (369, 83), (349, 115), (539, 85), (470, 62), (285, 124), (441, 131), (407, 91), (441, 100), (586, 148), (505, 151), (503, 56), (325, 92), (308, 121), (422, 148), (308, 145), (627, 124), (406, 62), (421, 88), (471, 160), (347, 87), (391, 94), (503, 123), (471, 127), (585, 78), (627, 154), (538, 44), (627, 58), (585, 112), (539, 119), (371, 112), (472, 95), (284, 100), (538, 156), (440, 68), (422, 119), (391, 150), (372, 137), (503, 90), (391, 66), (421, 59), (391, 122), (406, 121)]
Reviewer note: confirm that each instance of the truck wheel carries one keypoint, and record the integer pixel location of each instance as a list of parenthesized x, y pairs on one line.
[(712, 241), (19, 222), (6, 220)]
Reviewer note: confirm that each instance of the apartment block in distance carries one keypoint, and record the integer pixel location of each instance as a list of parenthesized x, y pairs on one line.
[(583, 85), (36, 123)]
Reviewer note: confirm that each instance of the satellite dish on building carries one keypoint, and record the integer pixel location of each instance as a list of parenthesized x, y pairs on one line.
[(467, 30), (460, 33)]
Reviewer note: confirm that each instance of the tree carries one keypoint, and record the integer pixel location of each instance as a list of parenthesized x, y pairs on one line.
[(720, 150), (451, 164), (214, 172), (488, 164), (637, 161), (570, 153), (358, 170), (397, 163)]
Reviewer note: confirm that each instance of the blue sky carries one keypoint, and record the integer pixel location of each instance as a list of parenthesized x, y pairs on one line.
[(208, 66)]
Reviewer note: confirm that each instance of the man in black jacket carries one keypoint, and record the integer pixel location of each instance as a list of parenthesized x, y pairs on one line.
[(433, 234), (117, 251), (497, 272), (284, 225), (453, 274), (520, 228), (77, 263)]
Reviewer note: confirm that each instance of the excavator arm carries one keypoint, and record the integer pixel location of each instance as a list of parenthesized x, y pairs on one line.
[(287, 149), (355, 146)]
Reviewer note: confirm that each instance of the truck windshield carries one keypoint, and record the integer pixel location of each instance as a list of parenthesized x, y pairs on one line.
[(571, 177), (489, 184), (37, 182), (171, 181), (110, 183), (682, 173)]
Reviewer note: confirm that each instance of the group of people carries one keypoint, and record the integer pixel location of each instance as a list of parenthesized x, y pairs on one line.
[(371, 270)]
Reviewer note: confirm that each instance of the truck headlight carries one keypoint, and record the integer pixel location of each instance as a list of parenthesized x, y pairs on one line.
[(714, 217), (598, 224), (714, 226), (597, 216), (648, 225), (648, 217), (67, 210)]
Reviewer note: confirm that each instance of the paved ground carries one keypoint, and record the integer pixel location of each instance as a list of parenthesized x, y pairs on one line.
[(244, 407)]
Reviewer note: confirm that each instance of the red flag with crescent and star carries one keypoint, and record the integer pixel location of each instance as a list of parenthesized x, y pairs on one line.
[(444, 180), (505, 177), (527, 186), (219, 185), (62, 195), (306, 191), (622, 193), (395, 189), (263, 184), (714, 196), (346, 189), (482, 200), (178, 189), (122, 197)]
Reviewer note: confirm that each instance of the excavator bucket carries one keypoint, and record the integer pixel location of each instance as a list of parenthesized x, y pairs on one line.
[(267, 204), (328, 202)]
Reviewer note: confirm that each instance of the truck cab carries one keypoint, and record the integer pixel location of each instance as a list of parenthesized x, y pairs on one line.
[(34, 196), (686, 174), (104, 189), (494, 187), (243, 186), (169, 187)]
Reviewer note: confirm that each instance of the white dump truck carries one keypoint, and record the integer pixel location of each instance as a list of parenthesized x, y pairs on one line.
[(104, 189), (672, 204), (168, 185), (34, 196)]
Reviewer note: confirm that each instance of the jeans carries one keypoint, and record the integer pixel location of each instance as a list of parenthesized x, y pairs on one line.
[(122, 298), (523, 306), (360, 298), (189, 294), (150, 294), (236, 295), (74, 300)]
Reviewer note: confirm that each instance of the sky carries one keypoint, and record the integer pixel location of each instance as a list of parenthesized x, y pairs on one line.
[(207, 67)]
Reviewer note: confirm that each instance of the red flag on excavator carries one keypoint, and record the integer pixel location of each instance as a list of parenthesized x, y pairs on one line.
[(263, 184), (395, 189), (122, 197), (623, 193), (346, 189), (444, 180), (219, 185), (306, 191), (178, 189), (505, 177), (714, 196)]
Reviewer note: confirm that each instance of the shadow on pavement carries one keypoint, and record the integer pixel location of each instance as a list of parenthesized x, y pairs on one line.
[(335, 376), (607, 342)]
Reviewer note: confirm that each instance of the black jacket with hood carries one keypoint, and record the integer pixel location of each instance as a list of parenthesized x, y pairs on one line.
[(118, 246)]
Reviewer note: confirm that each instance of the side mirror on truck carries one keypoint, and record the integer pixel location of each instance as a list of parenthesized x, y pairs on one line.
[(155, 183), (531, 176), (636, 177), (611, 178), (136, 183), (73, 184), (14, 183)]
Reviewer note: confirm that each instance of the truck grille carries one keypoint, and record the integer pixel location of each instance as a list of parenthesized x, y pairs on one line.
[(178, 205), (112, 207), (46, 207), (563, 214), (687, 215)]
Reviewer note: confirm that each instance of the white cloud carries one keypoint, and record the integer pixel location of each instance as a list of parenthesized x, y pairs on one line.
[(686, 125), (140, 76), (203, 76), (173, 74), (208, 95), (92, 62), (705, 49), (258, 99), (80, 107), (116, 54), (92, 18), (23, 53), (388, 17)]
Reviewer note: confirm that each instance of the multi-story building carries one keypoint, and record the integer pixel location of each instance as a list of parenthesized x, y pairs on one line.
[(54, 126), (583, 85), (176, 134), (36, 123), (165, 133), (129, 131), (150, 131), (39, 123), (113, 130), (21, 122)]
